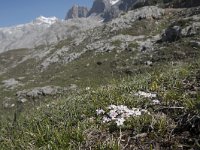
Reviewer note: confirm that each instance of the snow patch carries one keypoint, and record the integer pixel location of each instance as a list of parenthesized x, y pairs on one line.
[(113, 2), (44, 20)]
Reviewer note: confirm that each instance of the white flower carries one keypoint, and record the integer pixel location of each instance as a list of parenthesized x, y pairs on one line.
[(87, 88), (113, 114), (106, 119), (119, 113), (156, 102), (100, 111), (112, 107), (120, 121), (146, 95), (138, 113)]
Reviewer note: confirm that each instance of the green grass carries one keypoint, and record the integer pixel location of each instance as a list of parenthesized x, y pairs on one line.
[(117, 43), (70, 122)]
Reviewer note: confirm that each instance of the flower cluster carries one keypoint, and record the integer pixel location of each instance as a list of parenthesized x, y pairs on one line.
[(119, 114), (149, 95), (146, 95)]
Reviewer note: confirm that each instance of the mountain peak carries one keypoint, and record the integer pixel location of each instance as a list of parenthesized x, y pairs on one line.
[(45, 20), (77, 12)]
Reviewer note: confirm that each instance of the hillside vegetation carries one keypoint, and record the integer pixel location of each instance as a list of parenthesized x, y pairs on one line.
[(136, 87)]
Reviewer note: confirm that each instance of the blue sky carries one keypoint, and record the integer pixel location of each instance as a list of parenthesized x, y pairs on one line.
[(13, 12)]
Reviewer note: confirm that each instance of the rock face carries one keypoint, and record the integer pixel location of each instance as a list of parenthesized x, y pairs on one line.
[(109, 9), (77, 12), (100, 7)]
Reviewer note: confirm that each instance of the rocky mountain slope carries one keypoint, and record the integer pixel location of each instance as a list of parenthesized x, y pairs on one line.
[(109, 9), (130, 83), (42, 31)]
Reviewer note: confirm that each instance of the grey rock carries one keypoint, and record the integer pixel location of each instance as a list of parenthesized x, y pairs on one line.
[(99, 7), (191, 30), (171, 34), (195, 43), (77, 12), (126, 21), (23, 100), (148, 44), (61, 56), (109, 10), (11, 83), (39, 92)]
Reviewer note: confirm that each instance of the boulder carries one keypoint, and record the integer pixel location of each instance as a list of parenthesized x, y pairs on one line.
[(39, 92), (191, 30), (171, 34)]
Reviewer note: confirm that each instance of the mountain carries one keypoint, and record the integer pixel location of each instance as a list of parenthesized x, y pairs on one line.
[(109, 9), (43, 20), (41, 31), (77, 12)]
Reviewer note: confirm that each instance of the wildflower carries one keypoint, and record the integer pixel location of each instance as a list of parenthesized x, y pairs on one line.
[(120, 121), (112, 107), (119, 113), (156, 102), (113, 114), (146, 95), (106, 119), (87, 88), (100, 111), (138, 113)]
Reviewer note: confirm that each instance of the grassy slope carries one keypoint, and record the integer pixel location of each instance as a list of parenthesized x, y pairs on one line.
[(66, 123), (70, 121)]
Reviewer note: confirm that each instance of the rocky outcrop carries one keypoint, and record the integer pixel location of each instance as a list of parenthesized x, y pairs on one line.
[(39, 92), (183, 28), (77, 12), (11, 83), (191, 30), (126, 21), (108, 9), (171, 34), (100, 7)]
